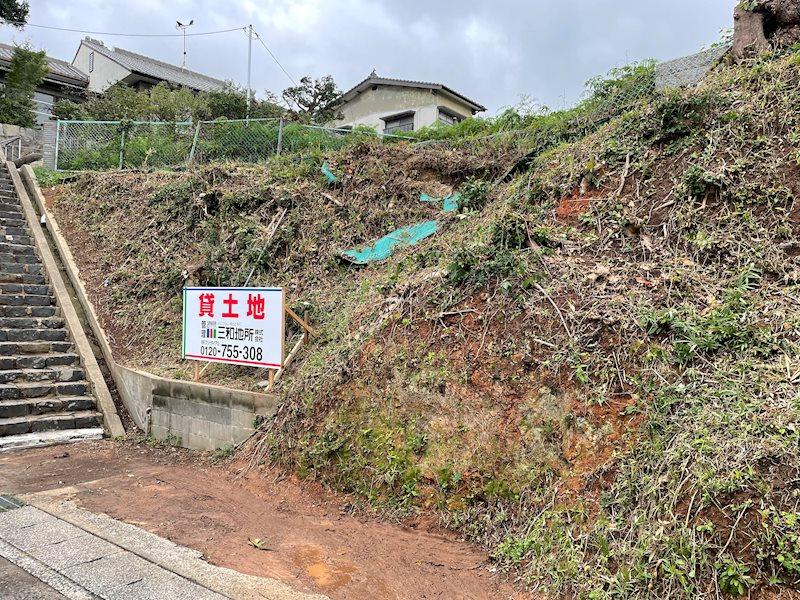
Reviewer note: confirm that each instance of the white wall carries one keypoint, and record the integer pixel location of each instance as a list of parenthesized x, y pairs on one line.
[(106, 72), (369, 107)]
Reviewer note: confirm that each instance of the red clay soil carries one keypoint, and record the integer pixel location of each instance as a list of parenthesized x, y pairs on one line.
[(572, 207), (311, 541)]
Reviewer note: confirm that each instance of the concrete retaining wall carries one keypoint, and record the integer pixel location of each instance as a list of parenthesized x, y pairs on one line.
[(32, 138), (204, 417)]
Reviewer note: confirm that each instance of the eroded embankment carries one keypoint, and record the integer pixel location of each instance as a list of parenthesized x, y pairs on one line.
[(593, 370)]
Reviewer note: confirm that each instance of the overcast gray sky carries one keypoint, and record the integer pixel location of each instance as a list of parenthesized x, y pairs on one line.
[(492, 51)]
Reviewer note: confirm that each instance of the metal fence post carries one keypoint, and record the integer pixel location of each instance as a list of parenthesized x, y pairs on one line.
[(280, 136), (122, 150), (194, 142), (58, 138)]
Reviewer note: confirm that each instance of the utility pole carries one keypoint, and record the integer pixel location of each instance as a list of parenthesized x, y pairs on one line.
[(249, 63), (182, 27)]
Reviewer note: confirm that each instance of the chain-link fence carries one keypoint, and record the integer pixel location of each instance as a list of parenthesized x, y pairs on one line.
[(521, 132), (128, 144), (82, 145)]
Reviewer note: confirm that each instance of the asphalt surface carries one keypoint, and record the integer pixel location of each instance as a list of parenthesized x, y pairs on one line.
[(16, 584)]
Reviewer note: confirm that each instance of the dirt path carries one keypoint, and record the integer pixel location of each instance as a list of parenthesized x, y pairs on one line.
[(311, 543)]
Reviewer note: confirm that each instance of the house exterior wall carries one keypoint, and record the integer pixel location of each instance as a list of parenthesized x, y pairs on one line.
[(369, 107), (105, 73)]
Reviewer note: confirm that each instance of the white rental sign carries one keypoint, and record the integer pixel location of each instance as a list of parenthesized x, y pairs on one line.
[(241, 326)]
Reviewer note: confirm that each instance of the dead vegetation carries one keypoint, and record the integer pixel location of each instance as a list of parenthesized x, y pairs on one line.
[(593, 371)]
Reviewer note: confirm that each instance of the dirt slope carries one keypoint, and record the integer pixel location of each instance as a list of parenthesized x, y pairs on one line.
[(593, 371)]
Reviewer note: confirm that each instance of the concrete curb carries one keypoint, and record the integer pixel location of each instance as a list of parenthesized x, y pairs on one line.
[(182, 561), (68, 588), (105, 403)]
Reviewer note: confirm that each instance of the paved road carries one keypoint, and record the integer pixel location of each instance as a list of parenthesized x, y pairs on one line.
[(17, 584), (82, 565)]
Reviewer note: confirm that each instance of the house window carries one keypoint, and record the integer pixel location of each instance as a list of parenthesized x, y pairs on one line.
[(404, 122), (448, 117), (91, 62)]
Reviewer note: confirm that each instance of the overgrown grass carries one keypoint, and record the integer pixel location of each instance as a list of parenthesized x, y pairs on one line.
[(592, 371)]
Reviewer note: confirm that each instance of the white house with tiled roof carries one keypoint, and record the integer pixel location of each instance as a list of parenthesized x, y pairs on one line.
[(392, 105), (106, 66)]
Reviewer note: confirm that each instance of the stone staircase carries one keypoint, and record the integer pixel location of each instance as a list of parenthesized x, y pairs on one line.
[(44, 395)]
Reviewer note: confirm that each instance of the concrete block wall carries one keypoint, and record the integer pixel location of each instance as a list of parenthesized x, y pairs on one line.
[(205, 417)]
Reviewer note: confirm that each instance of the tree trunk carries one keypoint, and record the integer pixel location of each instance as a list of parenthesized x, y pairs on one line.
[(770, 24)]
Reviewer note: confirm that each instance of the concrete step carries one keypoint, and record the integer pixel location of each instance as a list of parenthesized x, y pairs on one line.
[(26, 300), (49, 438), (17, 239), (15, 248), (39, 361), (14, 231), (12, 409), (34, 269), (34, 289), (31, 323), (10, 205), (23, 278), (33, 335), (29, 311), (12, 222), (40, 389), (23, 259), (18, 348), (53, 374), (49, 422)]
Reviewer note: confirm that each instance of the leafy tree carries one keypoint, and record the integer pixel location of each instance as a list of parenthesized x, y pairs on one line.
[(315, 99), (164, 103), (230, 104), (27, 70), (179, 104), (14, 12)]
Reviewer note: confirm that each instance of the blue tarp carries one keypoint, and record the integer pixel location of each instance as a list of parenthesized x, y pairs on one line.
[(384, 247), (326, 170), (449, 204), (405, 236)]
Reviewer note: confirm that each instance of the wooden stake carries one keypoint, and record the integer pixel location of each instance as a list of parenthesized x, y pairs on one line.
[(290, 358), (203, 370), (196, 371), (271, 379), (301, 322)]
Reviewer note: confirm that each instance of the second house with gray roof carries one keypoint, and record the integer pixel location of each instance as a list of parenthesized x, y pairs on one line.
[(107, 66), (395, 105)]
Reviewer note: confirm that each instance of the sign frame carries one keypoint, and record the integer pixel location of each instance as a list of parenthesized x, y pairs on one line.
[(244, 363)]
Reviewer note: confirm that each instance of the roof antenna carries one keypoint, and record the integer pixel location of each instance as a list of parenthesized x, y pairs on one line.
[(182, 27), (374, 73)]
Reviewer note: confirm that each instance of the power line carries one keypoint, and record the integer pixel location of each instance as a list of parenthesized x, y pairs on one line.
[(19, 24), (275, 58)]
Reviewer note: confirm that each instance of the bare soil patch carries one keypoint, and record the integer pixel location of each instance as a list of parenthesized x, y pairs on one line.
[(311, 540)]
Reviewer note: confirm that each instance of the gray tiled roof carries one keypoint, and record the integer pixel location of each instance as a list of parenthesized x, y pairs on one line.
[(376, 80), (60, 71), (157, 69), (690, 70)]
